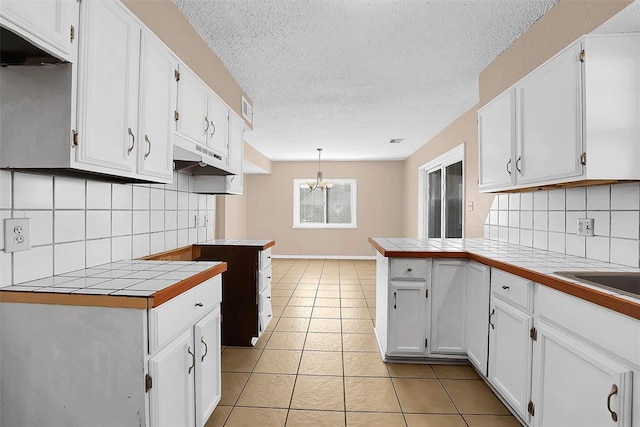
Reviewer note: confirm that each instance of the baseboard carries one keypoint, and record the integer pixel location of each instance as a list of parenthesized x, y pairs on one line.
[(338, 257)]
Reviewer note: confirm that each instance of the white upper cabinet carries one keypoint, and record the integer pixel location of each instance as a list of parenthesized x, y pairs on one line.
[(496, 142), (201, 117), (126, 93), (218, 132), (49, 24), (549, 122), (192, 121), (576, 119), (157, 98), (108, 89)]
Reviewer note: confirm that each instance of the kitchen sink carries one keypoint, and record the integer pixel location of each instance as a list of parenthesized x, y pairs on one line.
[(626, 283)]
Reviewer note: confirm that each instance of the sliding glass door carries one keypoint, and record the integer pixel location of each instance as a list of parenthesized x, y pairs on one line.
[(444, 200)]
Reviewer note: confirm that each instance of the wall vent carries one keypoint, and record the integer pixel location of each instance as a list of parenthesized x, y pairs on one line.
[(247, 111)]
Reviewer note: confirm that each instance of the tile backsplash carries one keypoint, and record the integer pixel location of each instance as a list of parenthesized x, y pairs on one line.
[(78, 223), (547, 220)]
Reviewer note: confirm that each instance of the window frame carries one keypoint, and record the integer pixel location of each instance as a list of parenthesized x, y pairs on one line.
[(297, 182)]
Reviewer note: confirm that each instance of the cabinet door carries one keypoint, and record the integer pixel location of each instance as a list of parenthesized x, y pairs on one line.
[(407, 318), (108, 88), (510, 354), (208, 368), (496, 142), (218, 133), (193, 122), (46, 23), (447, 307), (575, 385), (157, 98), (476, 326), (550, 121), (235, 183), (171, 398)]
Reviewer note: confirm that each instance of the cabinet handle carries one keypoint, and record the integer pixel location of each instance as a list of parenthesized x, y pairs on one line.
[(614, 390), (508, 167), (206, 122), (214, 129), (206, 349), (394, 300), (517, 163), (146, 138), (193, 360), (199, 304), (133, 142), (490, 316), (505, 287), (409, 269)]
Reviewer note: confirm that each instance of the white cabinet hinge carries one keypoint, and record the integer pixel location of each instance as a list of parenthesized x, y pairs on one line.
[(582, 56), (426, 341), (426, 293), (531, 409), (176, 116), (148, 383), (176, 75), (533, 333), (74, 138), (583, 159), (72, 33)]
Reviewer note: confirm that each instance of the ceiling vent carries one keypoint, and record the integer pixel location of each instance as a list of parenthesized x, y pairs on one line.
[(396, 140)]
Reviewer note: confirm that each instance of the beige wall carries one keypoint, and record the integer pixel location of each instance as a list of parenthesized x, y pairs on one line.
[(231, 219), (380, 206), (563, 24), (463, 131), (165, 19), (257, 158)]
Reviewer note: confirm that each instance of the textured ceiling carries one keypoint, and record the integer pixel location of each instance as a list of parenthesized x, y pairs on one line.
[(349, 75)]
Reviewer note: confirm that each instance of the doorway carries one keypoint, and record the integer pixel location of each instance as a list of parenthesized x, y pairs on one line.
[(441, 196)]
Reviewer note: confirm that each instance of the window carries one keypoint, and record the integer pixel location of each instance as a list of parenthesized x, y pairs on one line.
[(334, 208)]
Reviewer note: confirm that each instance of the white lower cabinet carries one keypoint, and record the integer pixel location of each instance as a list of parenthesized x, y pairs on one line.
[(447, 306), (576, 385), (185, 374), (171, 397), (407, 318), (476, 312), (510, 354)]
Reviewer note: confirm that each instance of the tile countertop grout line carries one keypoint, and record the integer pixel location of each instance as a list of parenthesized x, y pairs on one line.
[(483, 251)]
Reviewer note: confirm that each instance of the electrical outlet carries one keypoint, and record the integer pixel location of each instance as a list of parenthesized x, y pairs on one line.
[(17, 234), (585, 227)]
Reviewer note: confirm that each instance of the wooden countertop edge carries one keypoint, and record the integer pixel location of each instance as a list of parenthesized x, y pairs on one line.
[(186, 284), (263, 247), (612, 302), (115, 301)]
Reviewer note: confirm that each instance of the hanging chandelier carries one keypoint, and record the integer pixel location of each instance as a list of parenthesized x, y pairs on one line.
[(319, 182)]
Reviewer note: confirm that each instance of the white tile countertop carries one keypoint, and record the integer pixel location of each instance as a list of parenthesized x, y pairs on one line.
[(127, 278), (536, 264)]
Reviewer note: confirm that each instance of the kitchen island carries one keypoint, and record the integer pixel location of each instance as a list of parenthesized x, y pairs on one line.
[(246, 290), (556, 350), (133, 342)]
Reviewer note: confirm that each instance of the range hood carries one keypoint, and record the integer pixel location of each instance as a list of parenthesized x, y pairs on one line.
[(14, 50), (195, 159)]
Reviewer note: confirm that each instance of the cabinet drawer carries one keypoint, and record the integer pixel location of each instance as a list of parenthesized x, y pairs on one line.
[(264, 298), (511, 288), (264, 278), (265, 315), (182, 312), (265, 258), (408, 269)]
